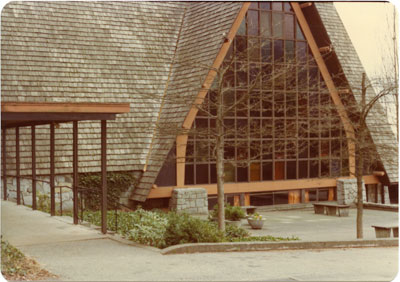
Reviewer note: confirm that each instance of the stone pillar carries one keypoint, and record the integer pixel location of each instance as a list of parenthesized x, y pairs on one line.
[(347, 191), (379, 192), (386, 198), (189, 200)]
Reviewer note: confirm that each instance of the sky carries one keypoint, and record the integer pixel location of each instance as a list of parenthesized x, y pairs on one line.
[(370, 26)]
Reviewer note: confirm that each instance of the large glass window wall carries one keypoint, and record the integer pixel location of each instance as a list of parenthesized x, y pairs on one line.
[(283, 125)]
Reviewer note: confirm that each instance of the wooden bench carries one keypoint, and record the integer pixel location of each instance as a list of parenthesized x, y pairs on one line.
[(383, 231), (331, 209), (249, 209)]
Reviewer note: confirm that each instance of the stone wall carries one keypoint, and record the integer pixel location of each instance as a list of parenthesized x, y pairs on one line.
[(189, 200), (63, 191), (347, 191)]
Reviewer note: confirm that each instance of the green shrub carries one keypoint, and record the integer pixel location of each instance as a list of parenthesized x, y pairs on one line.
[(231, 212), (183, 228), (233, 231), (162, 230), (117, 182), (148, 228)]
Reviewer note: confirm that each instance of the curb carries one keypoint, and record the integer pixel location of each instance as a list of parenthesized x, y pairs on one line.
[(269, 246), (120, 239)]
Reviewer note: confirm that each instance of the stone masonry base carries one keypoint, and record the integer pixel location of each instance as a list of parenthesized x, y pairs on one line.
[(189, 200)]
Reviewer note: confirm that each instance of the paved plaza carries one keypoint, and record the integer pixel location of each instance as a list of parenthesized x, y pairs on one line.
[(78, 253)]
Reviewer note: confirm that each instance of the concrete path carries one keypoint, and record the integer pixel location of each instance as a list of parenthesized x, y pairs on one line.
[(309, 226), (77, 253)]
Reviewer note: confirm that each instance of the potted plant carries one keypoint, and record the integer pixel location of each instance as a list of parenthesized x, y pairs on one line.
[(233, 214), (256, 221)]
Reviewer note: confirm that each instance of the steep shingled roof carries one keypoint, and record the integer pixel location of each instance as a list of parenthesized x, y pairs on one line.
[(377, 121), (90, 52), (137, 52), (200, 40)]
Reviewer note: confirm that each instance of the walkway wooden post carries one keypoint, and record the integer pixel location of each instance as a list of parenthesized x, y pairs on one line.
[(52, 171), (75, 171), (104, 176), (4, 166), (33, 141), (17, 165)]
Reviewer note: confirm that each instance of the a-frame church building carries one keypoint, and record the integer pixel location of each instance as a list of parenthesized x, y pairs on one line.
[(287, 62)]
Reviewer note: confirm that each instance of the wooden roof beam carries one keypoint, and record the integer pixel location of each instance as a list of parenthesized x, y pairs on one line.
[(305, 5), (344, 91), (325, 49)]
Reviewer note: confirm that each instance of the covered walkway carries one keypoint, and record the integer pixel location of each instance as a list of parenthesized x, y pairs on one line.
[(23, 114)]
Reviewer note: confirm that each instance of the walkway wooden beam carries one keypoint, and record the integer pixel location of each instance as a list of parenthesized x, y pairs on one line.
[(22, 107), (33, 141), (104, 176), (4, 164), (75, 170), (17, 166), (28, 114), (52, 171)]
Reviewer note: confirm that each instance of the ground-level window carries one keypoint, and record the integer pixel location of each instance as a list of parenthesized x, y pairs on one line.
[(282, 197)]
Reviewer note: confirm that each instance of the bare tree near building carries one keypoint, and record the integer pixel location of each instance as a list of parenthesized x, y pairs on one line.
[(364, 124)]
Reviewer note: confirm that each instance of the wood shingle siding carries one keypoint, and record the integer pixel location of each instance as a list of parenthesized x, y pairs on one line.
[(89, 52), (108, 52)]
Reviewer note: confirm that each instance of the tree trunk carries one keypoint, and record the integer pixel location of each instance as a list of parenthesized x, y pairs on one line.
[(220, 162), (361, 134), (220, 184), (359, 200)]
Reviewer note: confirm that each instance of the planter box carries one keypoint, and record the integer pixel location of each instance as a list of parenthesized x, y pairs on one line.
[(256, 224)]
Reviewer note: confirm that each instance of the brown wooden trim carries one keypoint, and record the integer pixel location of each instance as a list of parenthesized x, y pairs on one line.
[(103, 176), (52, 171), (305, 5), (325, 49), (378, 173), (116, 108), (17, 165), (181, 142), (4, 156), (236, 200), (344, 91), (75, 164), (187, 124), (331, 194), (329, 82), (33, 144), (263, 186), (247, 199), (27, 118), (294, 197)]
